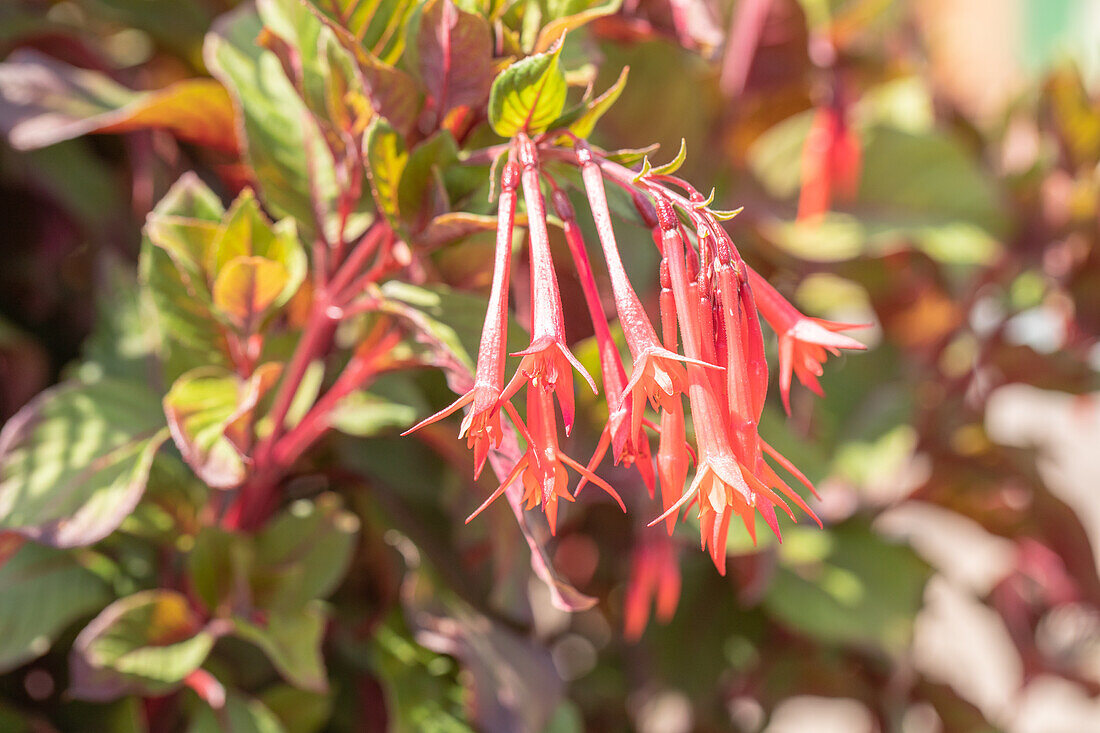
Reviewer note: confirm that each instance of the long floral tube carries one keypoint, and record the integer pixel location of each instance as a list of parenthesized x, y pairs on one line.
[(617, 435), (482, 424), (709, 303), (546, 362)]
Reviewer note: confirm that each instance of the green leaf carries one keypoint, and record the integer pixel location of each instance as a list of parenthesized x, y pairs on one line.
[(583, 125), (373, 25), (146, 643), (179, 237), (512, 680), (455, 53), (673, 165), (75, 460), (453, 226), (528, 95), (553, 31), (631, 156), (303, 553), (292, 641), (284, 152), (364, 414), (848, 586), (240, 715), (299, 711), (301, 556), (421, 684), (246, 232), (426, 161), (209, 412), (125, 337), (219, 566), (386, 158), (246, 287), (42, 591)]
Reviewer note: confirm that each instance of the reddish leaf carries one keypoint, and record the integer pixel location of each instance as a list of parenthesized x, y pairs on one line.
[(44, 101), (456, 56)]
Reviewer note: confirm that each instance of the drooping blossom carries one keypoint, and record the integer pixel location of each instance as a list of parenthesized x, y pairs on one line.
[(710, 350), (547, 363), (627, 447), (482, 424), (542, 468), (804, 342), (654, 576), (657, 373), (731, 476), (831, 161)]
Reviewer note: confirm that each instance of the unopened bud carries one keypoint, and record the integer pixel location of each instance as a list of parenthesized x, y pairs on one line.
[(666, 215), (562, 207), (509, 180)]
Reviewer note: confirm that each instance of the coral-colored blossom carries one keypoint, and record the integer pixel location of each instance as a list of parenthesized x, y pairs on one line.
[(542, 467), (831, 161), (710, 305), (482, 424), (731, 476), (654, 574), (547, 363), (656, 373), (804, 342), (625, 445)]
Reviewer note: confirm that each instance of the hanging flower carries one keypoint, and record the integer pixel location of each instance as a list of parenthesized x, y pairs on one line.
[(542, 468), (654, 575), (804, 342), (482, 424)]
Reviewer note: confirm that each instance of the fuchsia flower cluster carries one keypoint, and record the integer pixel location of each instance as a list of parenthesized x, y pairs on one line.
[(709, 350)]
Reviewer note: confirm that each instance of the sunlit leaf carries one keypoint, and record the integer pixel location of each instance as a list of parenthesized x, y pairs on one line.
[(44, 101), (205, 409), (241, 715), (528, 95), (583, 125), (292, 641), (455, 51), (425, 166), (673, 165), (74, 461), (386, 158), (286, 156), (552, 32), (42, 590), (246, 287), (146, 643)]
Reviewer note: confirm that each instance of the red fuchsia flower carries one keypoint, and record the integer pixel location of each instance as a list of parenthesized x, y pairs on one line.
[(672, 451), (542, 467), (616, 433), (731, 476), (804, 342), (654, 574), (482, 425), (831, 161), (546, 362), (657, 373)]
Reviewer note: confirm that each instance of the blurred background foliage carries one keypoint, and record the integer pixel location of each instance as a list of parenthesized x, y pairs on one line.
[(955, 586)]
